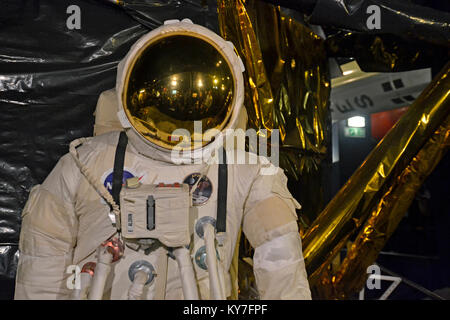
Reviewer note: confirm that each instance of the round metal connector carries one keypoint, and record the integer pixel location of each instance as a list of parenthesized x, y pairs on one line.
[(142, 265), (199, 226), (200, 258)]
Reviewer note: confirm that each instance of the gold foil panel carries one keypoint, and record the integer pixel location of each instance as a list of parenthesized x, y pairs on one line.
[(373, 180)]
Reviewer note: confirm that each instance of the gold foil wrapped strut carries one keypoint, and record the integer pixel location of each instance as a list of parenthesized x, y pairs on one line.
[(350, 209), (388, 212)]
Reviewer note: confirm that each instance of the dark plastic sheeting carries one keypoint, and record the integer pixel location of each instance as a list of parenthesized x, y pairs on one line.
[(414, 34), (386, 52), (50, 79), (403, 18)]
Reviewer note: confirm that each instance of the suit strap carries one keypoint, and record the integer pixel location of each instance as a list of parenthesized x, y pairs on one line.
[(221, 223), (118, 167)]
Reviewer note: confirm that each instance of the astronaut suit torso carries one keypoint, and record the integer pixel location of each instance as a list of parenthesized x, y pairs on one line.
[(66, 219)]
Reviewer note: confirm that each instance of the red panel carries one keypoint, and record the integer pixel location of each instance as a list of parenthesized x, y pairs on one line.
[(382, 122)]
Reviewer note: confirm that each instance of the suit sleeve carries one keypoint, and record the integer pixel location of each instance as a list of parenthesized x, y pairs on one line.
[(270, 226), (48, 236)]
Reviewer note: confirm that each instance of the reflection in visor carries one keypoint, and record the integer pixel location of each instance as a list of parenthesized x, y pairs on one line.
[(174, 82)]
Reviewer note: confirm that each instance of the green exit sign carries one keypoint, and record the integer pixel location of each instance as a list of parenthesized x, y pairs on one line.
[(353, 132)]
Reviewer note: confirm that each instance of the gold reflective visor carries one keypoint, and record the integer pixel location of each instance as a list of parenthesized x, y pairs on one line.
[(172, 82)]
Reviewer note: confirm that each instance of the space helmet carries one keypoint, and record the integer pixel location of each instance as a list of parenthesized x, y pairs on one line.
[(180, 87)]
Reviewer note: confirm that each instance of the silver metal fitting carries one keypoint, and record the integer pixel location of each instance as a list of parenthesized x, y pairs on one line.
[(200, 258), (199, 226), (142, 265)]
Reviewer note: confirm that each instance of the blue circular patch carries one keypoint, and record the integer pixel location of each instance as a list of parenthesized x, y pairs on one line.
[(109, 179)]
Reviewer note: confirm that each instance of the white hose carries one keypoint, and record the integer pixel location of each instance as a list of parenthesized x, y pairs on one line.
[(137, 287), (102, 270), (211, 262), (190, 291), (221, 271), (93, 180), (85, 283), (161, 276)]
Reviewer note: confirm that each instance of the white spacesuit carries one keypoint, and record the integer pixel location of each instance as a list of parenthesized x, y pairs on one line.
[(142, 221)]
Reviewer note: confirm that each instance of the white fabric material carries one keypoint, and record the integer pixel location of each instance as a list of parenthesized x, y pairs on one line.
[(211, 262), (106, 119), (85, 284), (65, 220), (102, 270), (280, 269), (137, 287), (171, 212), (187, 275)]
